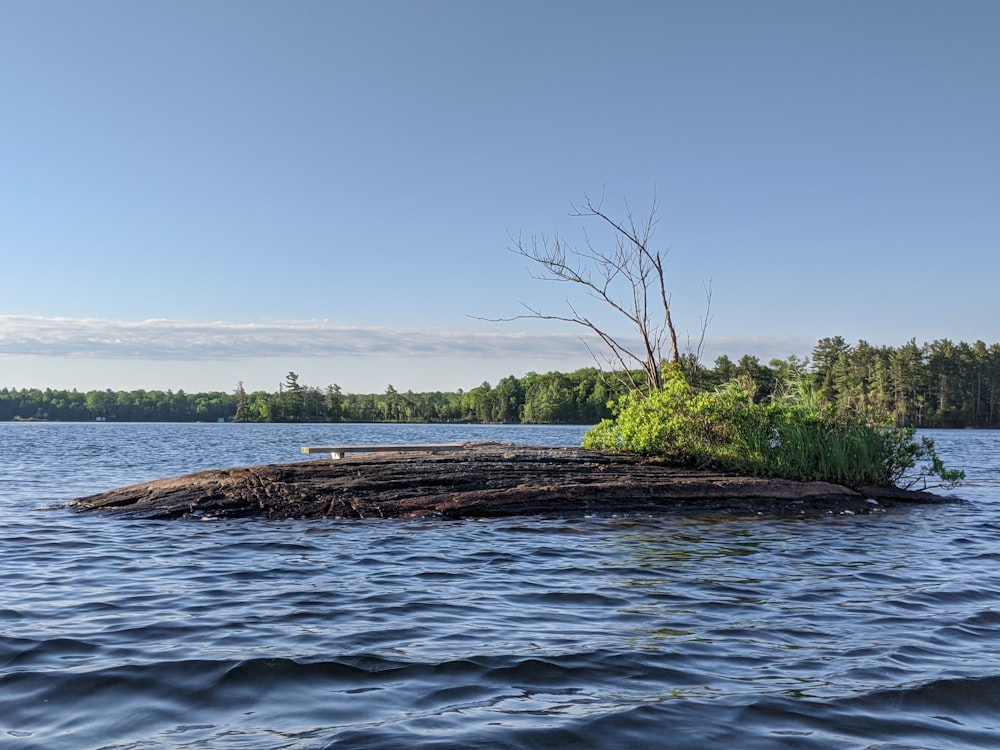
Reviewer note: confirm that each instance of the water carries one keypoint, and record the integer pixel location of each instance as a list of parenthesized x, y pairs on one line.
[(621, 632)]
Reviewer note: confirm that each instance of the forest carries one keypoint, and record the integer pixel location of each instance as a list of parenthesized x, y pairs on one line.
[(937, 384)]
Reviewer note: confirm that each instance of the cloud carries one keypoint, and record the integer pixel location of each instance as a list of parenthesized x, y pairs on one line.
[(158, 339), (178, 340)]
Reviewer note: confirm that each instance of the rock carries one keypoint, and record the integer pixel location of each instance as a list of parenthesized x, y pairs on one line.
[(483, 480)]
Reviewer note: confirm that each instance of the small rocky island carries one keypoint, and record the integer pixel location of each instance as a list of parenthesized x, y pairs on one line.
[(481, 480)]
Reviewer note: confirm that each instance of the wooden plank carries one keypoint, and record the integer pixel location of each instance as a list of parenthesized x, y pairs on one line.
[(339, 451)]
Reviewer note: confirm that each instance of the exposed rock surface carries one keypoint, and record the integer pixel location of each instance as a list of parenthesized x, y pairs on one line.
[(483, 480)]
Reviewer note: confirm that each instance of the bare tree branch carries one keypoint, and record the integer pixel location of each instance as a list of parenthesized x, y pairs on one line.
[(600, 273)]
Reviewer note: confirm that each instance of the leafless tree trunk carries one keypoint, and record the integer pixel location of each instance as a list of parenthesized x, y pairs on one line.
[(630, 277)]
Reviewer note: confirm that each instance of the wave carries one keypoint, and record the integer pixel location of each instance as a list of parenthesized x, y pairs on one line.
[(577, 699), (357, 694)]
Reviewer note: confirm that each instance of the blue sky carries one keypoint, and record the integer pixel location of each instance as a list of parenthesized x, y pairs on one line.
[(194, 194)]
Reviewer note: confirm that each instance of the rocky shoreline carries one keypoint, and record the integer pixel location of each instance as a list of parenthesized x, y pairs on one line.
[(482, 480)]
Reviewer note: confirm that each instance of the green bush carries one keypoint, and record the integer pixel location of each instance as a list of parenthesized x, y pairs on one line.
[(793, 436)]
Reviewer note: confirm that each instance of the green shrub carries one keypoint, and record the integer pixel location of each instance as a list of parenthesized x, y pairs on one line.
[(793, 436)]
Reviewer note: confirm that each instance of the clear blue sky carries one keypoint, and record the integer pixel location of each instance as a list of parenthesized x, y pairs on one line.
[(196, 193)]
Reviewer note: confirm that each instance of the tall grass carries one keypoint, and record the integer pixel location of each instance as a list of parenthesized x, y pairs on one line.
[(794, 436), (841, 453)]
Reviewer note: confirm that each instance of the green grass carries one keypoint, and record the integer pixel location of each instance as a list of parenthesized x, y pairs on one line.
[(794, 436)]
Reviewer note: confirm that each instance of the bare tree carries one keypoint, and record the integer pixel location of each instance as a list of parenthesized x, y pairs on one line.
[(629, 277)]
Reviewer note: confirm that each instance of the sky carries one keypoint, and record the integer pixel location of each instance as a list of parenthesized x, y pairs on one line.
[(198, 194)]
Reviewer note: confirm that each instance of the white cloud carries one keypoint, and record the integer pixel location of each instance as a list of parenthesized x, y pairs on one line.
[(173, 340), (94, 353), (178, 340)]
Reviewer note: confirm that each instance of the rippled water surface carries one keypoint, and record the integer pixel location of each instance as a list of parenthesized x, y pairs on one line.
[(878, 631)]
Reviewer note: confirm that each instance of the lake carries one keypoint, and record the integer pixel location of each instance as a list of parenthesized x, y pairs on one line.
[(875, 631)]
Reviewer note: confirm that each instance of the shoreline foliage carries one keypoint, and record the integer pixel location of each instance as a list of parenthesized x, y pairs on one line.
[(793, 434), (939, 384)]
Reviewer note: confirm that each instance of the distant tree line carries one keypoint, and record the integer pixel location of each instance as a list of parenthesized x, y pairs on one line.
[(115, 406), (940, 384), (579, 397)]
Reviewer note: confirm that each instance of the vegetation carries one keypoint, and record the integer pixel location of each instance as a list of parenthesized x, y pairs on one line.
[(794, 434), (940, 384), (579, 397), (843, 436)]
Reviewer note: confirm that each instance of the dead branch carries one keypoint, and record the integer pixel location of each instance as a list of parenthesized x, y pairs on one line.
[(601, 273)]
